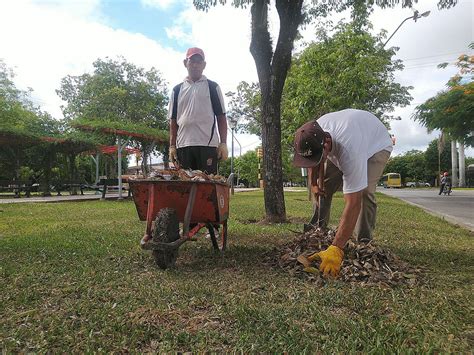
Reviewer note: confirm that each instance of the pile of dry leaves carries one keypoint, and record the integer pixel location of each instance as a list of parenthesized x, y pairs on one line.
[(182, 175), (365, 264)]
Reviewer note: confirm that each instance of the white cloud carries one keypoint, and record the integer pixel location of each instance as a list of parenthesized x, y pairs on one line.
[(55, 42), (160, 4), (178, 34)]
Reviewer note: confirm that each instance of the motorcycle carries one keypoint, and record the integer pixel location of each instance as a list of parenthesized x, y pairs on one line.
[(447, 189)]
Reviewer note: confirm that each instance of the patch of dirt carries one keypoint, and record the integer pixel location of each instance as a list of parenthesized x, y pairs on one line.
[(189, 320), (265, 222), (363, 263), (298, 220), (247, 221)]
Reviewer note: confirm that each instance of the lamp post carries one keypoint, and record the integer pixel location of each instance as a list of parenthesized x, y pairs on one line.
[(232, 124), (416, 16)]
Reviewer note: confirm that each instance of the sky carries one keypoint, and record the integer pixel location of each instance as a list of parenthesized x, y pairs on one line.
[(45, 40)]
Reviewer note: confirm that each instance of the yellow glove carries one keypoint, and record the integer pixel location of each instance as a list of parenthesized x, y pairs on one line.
[(331, 260), (173, 155), (222, 152)]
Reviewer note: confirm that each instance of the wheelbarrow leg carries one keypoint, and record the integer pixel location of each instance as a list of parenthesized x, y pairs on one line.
[(219, 242), (189, 209), (149, 215)]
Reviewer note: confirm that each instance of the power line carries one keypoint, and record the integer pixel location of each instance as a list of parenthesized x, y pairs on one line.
[(250, 144), (425, 65), (433, 56)]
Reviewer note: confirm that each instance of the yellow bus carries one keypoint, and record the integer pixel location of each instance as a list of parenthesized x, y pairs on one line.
[(392, 180)]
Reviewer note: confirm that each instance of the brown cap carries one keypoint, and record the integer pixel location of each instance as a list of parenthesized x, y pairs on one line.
[(193, 51), (308, 145)]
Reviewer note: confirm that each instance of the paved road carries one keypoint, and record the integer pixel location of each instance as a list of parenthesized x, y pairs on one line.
[(457, 208), (63, 198)]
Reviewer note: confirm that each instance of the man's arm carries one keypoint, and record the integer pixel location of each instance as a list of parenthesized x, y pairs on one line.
[(173, 154), (352, 207), (222, 127), (222, 152), (173, 132)]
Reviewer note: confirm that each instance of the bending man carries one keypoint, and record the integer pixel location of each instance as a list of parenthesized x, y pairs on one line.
[(353, 146)]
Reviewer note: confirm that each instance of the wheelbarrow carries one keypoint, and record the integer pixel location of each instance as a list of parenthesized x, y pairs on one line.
[(164, 204)]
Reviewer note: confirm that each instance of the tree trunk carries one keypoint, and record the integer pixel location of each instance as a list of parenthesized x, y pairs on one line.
[(462, 166), (46, 180), (454, 163), (272, 69), (72, 165), (144, 164)]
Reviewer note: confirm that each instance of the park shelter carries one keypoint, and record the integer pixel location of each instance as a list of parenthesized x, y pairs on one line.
[(123, 137)]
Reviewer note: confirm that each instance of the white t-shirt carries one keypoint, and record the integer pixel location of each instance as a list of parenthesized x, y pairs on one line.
[(356, 136), (195, 116)]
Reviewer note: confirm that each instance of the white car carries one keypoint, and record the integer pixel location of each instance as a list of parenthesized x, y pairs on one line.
[(417, 184)]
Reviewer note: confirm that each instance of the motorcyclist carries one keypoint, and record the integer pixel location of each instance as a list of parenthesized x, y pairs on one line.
[(445, 183)]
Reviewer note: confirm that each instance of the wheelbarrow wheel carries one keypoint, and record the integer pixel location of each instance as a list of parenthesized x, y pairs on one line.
[(166, 230), (219, 242)]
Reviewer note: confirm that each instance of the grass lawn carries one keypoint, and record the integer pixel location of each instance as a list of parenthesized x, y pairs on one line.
[(74, 279)]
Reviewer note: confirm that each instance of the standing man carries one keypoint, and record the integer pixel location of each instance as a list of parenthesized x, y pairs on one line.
[(349, 148), (198, 124)]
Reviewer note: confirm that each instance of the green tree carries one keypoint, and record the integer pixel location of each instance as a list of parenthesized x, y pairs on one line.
[(272, 65), (416, 165), (20, 126), (247, 167), (451, 110), (433, 165), (118, 91), (411, 166), (244, 104), (345, 70), (397, 164)]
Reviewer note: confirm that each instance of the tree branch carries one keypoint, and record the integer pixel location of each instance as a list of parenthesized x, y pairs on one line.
[(290, 13), (261, 43)]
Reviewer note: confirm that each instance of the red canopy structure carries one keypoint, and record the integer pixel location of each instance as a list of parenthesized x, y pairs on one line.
[(112, 149), (154, 135)]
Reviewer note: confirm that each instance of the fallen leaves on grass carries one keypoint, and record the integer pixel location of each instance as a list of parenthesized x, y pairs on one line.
[(190, 321), (363, 263)]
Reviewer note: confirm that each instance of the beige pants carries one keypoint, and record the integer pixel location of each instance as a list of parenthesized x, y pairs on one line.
[(333, 181)]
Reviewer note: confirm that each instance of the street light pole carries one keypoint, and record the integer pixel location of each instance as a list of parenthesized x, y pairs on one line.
[(233, 124), (416, 16)]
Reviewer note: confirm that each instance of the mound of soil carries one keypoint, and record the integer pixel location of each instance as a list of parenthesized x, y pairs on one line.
[(363, 263)]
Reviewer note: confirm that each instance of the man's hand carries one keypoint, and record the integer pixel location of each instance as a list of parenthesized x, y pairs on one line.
[(222, 152), (173, 155), (331, 260), (317, 191)]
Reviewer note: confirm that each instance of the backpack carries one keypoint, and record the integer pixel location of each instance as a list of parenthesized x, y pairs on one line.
[(216, 106)]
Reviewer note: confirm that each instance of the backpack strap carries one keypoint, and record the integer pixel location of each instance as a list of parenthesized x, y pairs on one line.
[(176, 90), (216, 105)]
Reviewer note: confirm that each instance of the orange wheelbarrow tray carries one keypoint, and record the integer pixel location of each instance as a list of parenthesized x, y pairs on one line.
[(204, 203)]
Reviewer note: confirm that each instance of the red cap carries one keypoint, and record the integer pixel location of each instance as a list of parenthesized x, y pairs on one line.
[(308, 145), (193, 51)]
